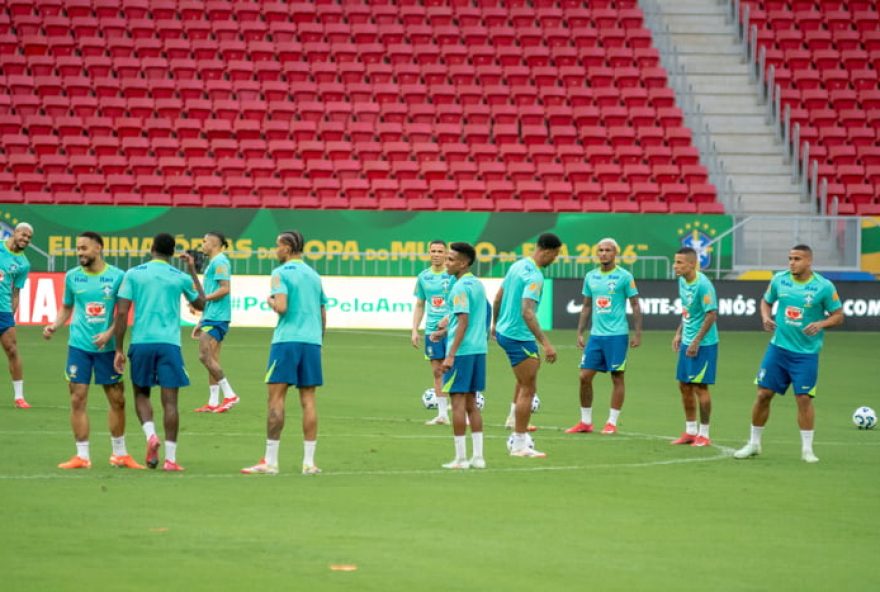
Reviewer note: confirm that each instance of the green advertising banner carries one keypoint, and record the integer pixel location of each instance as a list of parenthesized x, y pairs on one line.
[(352, 242), (871, 245)]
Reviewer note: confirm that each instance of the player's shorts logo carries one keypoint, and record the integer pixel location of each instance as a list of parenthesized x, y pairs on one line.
[(72, 371), (761, 374), (603, 302), (437, 301), (793, 313)]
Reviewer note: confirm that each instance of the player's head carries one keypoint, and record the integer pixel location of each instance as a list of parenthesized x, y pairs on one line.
[(607, 250), (89, 248), (460, 258), (547, 249), (800, 259), (437, 251), (163, 246), (21, 236), (289, 244), (686, 262), (214, 242)]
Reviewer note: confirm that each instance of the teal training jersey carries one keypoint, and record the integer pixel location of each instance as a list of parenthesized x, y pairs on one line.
[(155, 289), (14, 268), (468, 297), (433, 288), (800, 303), (218, 270), (697, 299), (93, 298), (609, 291), (301, 322), (523, 281)]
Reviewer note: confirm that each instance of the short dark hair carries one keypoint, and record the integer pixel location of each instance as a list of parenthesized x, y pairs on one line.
[(465, 249), (220, 237), (437, 241), (548, 241), (93, 236), (294, 239), (689, 251), (164, 244), (802, 247)]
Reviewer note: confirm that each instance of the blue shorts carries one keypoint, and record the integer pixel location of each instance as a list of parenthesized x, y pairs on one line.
[(467, 375), (81, 363), (157, 364), (7, 321), (292, 362), (216, 329), (605, 353), (701, 368), (434, 350), (517, 351), (781, 368)]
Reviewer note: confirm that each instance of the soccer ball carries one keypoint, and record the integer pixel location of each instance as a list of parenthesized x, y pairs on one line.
[(865, 418), (429, 399), (536, 403), (529, 441), (480, 400)]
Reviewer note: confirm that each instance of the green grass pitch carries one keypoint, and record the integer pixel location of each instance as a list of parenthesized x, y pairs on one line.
[(628, 512)]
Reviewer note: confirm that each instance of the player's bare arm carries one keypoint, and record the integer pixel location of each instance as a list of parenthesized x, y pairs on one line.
[(694, 346), (460, 330), (221, 291), (835, 319), (584, 320), (496, 310), (63, 315), (418, 315), (120, 324), (636, 340), (676, 339), (199, 302), (767, 316), (531, 320)]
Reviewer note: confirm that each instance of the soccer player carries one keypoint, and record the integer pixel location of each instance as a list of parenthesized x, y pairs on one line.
[(14, 268), (214, 326), (465, 364), (432, 286), (696, 343), (90, 296), (515, 326), (606, 290), (155, 288), (298, 299), (807, 304)]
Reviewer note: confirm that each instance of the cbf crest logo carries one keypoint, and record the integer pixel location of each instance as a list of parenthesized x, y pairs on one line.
[(697, 235), (808, 300), (108, 291), (612, 285)]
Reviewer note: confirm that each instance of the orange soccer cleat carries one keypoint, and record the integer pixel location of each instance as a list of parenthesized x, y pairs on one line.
[(125, 462), (76, 462), (22, 404), (580, 428), (685, 438)]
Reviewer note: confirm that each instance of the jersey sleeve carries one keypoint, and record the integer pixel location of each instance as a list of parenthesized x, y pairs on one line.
[(709, 299), (278, 285), (125, 288), (631, 289), (533, 288), (419, 291), (117, 284), (68, 298), (21, 275), (189, 289), (222, 272), (831, 300), (770, 296), (586, 289), (460, 302)]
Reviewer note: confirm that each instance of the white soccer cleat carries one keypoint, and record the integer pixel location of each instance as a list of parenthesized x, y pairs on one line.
[(809, 457), (458, 465), (310, 470), (747, 451), (510, 423), (527, 452), (478, 462), (439, 420), (261, 468)]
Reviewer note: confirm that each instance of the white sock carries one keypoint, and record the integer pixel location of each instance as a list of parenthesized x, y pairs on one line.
[(271, 457), (171, 451), (613, 414), (756, 435), (82, 449), (18, 389), (519, 441), (477, 439), (690, 428), (149, 429), (309, 452), (704, 430), (807, 440), (118, 445), (513, 410), (587, 415), (443, 406), (228, 393), (460, 447), (214, 397)]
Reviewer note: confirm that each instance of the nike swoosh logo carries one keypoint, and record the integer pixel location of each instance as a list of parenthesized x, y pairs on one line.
[(572, 308)]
